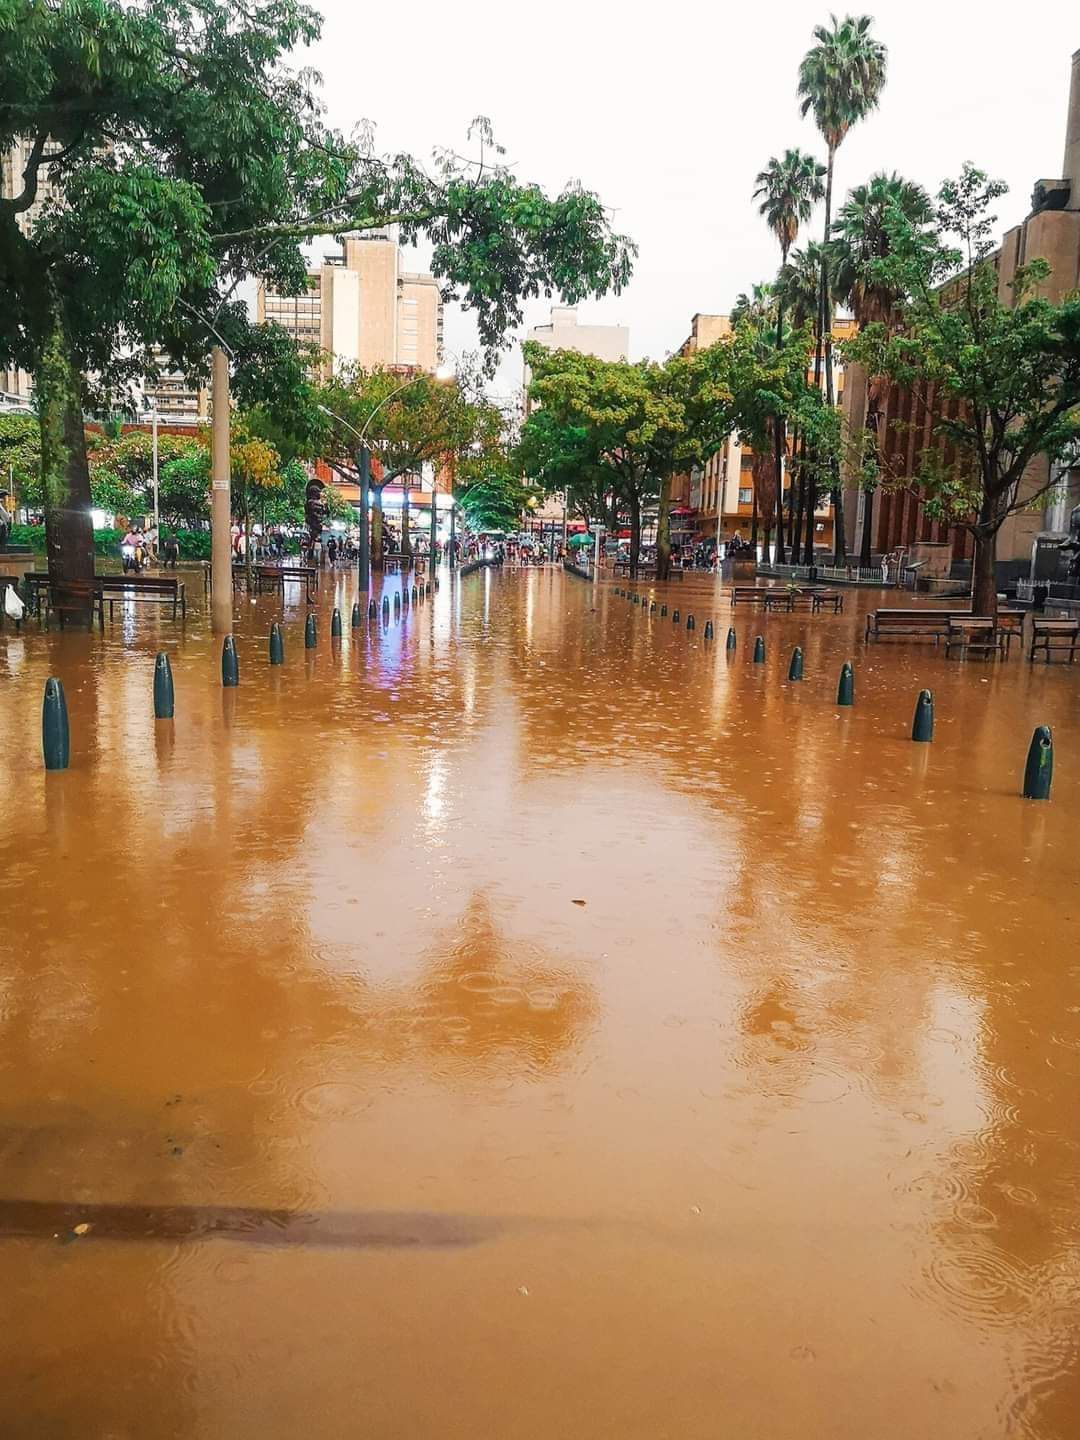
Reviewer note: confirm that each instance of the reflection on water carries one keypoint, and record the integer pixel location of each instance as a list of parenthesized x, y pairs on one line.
[(647, 1040)]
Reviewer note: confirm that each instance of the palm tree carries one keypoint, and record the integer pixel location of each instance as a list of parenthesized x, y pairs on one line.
[(840, 79), (862, 236), (788, 189)]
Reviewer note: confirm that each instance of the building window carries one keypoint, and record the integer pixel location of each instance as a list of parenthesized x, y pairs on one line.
[(746, 496)]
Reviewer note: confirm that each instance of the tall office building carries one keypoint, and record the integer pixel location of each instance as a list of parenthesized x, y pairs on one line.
[(361, 307)]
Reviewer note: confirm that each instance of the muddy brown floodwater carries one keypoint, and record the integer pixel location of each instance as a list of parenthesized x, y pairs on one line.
[(527, 1021)]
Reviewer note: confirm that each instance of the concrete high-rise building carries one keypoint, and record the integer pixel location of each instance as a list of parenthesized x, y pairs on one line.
[(361, 307), (562, 332)]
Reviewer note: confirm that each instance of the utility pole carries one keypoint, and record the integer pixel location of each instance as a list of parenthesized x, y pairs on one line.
[(157, 516), (433, 538), (363, 466), (221, 616)]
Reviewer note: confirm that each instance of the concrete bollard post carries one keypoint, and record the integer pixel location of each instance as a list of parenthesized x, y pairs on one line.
[(922, 727), (164, 698), (397, 602), (311, 633), (386, 609), (708, 630), (55, 733), (759, 650), (652, 608), (675, 617), (1039, 770), (357, 617), (277, 645), (663, 612), (732, 639), (795, 669), (845, 691), (372, 610), (230, 665), (690, 622), (335, 624)]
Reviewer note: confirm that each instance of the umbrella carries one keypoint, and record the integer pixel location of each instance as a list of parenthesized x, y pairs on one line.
[(581, 540)]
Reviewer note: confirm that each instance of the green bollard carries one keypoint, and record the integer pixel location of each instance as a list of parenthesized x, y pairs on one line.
[(922, 727), (637, 598), (277, 645), (1039, 770), (732, 640), (335, 624), (357, 617), (230, 665), (164, 699), (397, 602), (652, 608), (414, 594), (674, 617), (845, 691), (428, 586), (795, 669), (708, 630), (55, 733), (372, 610), (663, 612), (311, 634), (386, 609), (759, 650), (690, 622)]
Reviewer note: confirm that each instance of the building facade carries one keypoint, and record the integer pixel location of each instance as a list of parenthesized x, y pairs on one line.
[(361, 307), (716, 500), (906, 418)]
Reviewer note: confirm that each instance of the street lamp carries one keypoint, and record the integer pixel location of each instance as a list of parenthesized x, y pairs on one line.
[(363, 465), (153, 413)]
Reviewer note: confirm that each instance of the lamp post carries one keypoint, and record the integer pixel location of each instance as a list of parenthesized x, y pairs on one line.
[(363, 466)]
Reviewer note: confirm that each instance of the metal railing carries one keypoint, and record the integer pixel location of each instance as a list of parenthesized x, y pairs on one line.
[(855, 574)]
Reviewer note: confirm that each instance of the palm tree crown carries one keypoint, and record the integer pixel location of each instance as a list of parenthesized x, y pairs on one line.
[(789, 188), (842, 76), (862, 236)]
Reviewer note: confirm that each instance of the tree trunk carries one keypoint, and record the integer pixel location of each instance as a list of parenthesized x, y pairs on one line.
[(663, 531), (376, 528), (839, 537), (635, 531), (795, 529), (65, 473), (811, 507), (867, 528), (754, 521), (778, 444), (248, 575), (983, 581)]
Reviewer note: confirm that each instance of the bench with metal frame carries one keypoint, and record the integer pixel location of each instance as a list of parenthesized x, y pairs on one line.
[(751, 594), (142, 588), (1052, 636), (932, 623), (975, 633)]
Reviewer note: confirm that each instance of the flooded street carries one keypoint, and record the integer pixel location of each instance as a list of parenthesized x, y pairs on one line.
[(530, 1020)]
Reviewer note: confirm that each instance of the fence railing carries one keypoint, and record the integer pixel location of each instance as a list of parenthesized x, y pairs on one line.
[(853, 574)]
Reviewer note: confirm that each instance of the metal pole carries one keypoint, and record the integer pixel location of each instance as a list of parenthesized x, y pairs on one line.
[(453, 518), (434, 536), (221, 616), (157, 517), (363, 465)]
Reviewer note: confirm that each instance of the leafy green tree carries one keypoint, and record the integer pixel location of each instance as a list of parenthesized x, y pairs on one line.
[(841, 78), (861, 237), (1005, 376), (788, 188), (20, 458), (408, 424), (188, 155)]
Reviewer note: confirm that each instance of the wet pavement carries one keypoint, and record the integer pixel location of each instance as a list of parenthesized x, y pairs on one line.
[(530, 1020)]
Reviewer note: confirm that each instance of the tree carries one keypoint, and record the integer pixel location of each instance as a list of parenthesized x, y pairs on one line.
[(20, 457), (862, 237), (408, 424), (788, 188), (841, 78), (1005, 378), (493, 500), (186, 156)]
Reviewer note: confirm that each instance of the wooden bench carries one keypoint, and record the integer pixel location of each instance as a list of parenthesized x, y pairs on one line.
[(144, 587), (282, 575), (35, 584), (979, 633), (1051, 636), (752, 594), (932, 623), (821, 598), (73, 599)]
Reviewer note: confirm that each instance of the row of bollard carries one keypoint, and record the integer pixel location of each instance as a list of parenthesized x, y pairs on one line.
[(1038, 769)]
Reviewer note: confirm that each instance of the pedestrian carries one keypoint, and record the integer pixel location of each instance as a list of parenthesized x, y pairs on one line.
[(331, 550)]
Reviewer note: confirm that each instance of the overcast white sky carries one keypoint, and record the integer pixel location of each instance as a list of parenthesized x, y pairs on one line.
[(669, 110)]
